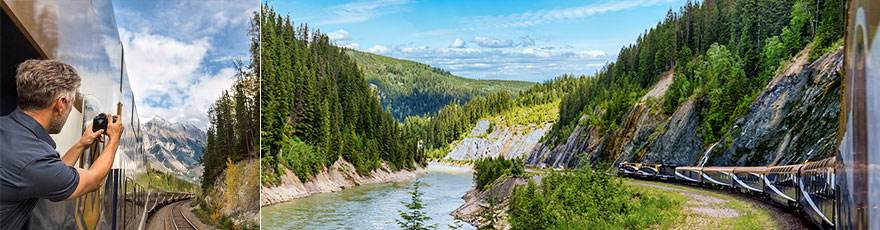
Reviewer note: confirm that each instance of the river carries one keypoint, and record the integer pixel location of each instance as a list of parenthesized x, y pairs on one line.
[(374, 206)]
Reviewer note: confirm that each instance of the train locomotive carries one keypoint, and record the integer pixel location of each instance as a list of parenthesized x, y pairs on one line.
[(83, 33)]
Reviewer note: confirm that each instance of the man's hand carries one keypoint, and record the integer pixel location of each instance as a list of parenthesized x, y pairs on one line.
[(90, 137), (75, 152), (114, 128), (91, 179)]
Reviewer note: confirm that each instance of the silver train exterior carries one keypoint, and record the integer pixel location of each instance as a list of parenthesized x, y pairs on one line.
[(84, 34), (841, 192), (858, 172), (810, 187)]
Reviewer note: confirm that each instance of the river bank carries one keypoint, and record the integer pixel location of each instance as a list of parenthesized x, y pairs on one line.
[(450, 165), (375, 206), (339, 176)]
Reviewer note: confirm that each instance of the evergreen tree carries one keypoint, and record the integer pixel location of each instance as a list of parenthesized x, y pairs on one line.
[(414, 217)]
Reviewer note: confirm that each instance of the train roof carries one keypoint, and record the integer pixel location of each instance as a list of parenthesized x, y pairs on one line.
[(718, 169), (689, 168), (750, 169), (824, 163), (784, 169)]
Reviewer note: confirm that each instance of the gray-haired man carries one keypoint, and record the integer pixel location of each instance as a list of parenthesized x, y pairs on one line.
[(30, 168)]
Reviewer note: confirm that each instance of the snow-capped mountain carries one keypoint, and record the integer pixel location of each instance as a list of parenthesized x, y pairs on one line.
[(174, 147)]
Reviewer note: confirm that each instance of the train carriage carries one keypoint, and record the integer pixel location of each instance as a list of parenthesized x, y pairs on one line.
[(689, 174), (781, 184), (628, 169), (667, 172), (749, 179), (817, 186), (84, 35), (718, 177), (648, 170)]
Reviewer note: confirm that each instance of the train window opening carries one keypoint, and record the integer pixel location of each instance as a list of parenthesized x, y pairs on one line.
[(16, 49)]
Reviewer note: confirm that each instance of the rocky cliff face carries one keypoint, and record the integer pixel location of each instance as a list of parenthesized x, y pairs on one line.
[(235, 193), (677, 143), (476, 201), (339, 176), (582, 141), (510, 142), (792, 121), (174, 147)]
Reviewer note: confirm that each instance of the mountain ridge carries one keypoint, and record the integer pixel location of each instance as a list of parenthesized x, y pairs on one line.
[(174, 147), (410, 88)]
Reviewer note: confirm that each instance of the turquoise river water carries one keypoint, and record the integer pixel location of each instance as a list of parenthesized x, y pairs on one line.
[(374, 206)]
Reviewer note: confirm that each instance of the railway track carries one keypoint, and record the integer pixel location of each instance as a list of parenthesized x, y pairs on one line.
[(175, 220)]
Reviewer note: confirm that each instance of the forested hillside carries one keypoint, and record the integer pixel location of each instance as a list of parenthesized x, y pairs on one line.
[(454, 121), (410, 88), (722, 51), (317, 107), (230, 195)]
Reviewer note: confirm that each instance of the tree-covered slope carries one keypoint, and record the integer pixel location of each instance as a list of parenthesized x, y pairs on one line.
[(724, 52), (410, 88), (722, 56), (317, 107)]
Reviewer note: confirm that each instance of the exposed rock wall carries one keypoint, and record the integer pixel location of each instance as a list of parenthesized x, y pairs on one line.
[(678, 143), (793, 120), (511, 142), (235, 192), (475, 200), (582, 142), (339, 176)]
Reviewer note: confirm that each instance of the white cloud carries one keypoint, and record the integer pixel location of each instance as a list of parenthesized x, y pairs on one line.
[(362, 11), (492, 42), (167, 77), (186, 20), (379, 49), (592, 53), (458, 43), (536, 52), (531, 64), (339, 36), (546, 16), (178, 53), (526, 41), (354, 45)]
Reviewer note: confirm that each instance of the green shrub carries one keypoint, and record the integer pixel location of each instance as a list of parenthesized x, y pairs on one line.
[(487, 170), (303, 159), (586, 200)]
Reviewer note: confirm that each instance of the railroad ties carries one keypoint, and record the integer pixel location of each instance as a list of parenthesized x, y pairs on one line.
[(175, 220)]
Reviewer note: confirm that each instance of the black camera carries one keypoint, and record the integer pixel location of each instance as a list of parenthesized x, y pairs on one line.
[(100, 122)]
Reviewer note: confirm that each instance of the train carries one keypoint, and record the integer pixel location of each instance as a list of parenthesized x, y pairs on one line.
[(840, 192), (84, 34), (807, 187)]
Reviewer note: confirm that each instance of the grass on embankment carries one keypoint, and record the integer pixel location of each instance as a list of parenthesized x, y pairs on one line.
[(586, 200), (748, 216)]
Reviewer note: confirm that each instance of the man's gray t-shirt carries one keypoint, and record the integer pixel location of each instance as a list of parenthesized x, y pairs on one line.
[(30, 169)]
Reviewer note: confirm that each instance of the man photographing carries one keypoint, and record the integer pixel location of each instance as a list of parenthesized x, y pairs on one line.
[(30, 168)]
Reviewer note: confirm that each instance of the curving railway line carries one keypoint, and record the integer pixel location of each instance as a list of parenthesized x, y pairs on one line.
[(175, 219), (807, 188)]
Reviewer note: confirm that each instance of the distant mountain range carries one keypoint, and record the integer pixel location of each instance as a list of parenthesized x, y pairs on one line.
[(174, 147)]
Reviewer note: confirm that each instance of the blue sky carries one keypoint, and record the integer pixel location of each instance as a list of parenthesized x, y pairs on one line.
[(516, 40), (179, 53)]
